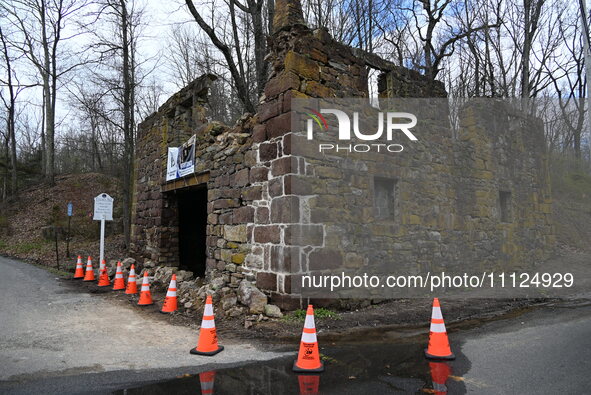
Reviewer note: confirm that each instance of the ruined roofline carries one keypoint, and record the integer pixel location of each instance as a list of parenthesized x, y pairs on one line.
[(289, 17), (196, 91)]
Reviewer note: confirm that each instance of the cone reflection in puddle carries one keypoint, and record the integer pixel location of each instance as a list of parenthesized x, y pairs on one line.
[(207, 379), (309, 384), (440, 371)]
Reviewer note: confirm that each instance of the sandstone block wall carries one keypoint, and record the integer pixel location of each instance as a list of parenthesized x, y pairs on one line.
[(259, 211)]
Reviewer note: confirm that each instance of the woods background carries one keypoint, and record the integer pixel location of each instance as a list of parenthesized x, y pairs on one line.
[(76, 76)]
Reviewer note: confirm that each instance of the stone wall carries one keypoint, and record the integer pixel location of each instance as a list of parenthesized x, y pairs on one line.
[(449, 188), (155, 220), (500, 158)]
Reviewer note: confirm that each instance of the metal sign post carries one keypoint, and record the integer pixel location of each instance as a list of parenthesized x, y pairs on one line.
[(103, 211), (70, 211), (57, 254), (102, 252)]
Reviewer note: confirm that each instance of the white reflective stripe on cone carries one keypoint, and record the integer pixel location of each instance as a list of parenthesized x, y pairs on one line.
[(145, 281), (309, 322), (208, 310), (207, 324), (439, 387), (437, 328), (206, 385), (172, 284), (119, 275), (132, 272), (131, 280), (308, 337), (170, 293), (437, 313)]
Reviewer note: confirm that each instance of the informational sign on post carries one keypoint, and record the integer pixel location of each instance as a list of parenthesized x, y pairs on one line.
[(103, 207), (70, 209), (103, 211)]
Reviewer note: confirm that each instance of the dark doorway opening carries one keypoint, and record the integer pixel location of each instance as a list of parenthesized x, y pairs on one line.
[(192, 211)]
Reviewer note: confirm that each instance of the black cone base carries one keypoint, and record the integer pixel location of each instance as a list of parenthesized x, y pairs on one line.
[(449, 357), (208, 353), (300, 370)]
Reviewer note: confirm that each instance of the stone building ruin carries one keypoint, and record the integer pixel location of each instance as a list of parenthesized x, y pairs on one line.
[(485, 198)]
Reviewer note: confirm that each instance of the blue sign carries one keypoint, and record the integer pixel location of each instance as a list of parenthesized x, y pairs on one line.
[(70, 209)]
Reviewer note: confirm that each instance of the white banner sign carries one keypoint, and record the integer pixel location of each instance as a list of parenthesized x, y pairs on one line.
[(181, 160), (187, 157), (172, 166)]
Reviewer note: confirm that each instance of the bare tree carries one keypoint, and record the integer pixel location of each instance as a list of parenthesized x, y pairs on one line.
[(12, 85), (234, 44), (116, 47), (41, 24), (531, 10), (567, 74)]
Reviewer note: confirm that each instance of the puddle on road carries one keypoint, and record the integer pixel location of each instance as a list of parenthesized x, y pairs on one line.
[(374, 368)]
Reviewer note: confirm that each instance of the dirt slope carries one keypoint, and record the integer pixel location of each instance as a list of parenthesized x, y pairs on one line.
[(26, 224)]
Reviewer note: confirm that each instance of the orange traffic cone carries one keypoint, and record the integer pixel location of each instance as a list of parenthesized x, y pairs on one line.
[(89, 274), (119, 282), (438, 342), (208, 338), (170, 303), (309, 384), (131, 283), (79, 273), (309, 356), (103, 275), (206, 379), (440, 371), (145, 295)]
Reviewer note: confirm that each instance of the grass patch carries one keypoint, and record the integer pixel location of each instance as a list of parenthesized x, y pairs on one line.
[(54, 270), (576, 185), (30, 246), (571, 179), (300, 315), (571, 193), (3, 245)]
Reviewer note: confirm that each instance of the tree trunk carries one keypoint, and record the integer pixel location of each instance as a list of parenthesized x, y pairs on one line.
[(127, 124), (587, 49), (11, 107), (48, 99), (260, 47)]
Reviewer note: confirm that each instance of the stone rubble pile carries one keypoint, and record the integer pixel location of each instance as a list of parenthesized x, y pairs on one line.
[(231, 298)]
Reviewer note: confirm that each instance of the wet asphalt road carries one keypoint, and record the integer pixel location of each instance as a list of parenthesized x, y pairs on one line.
[(50, 329), (544, 351)]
